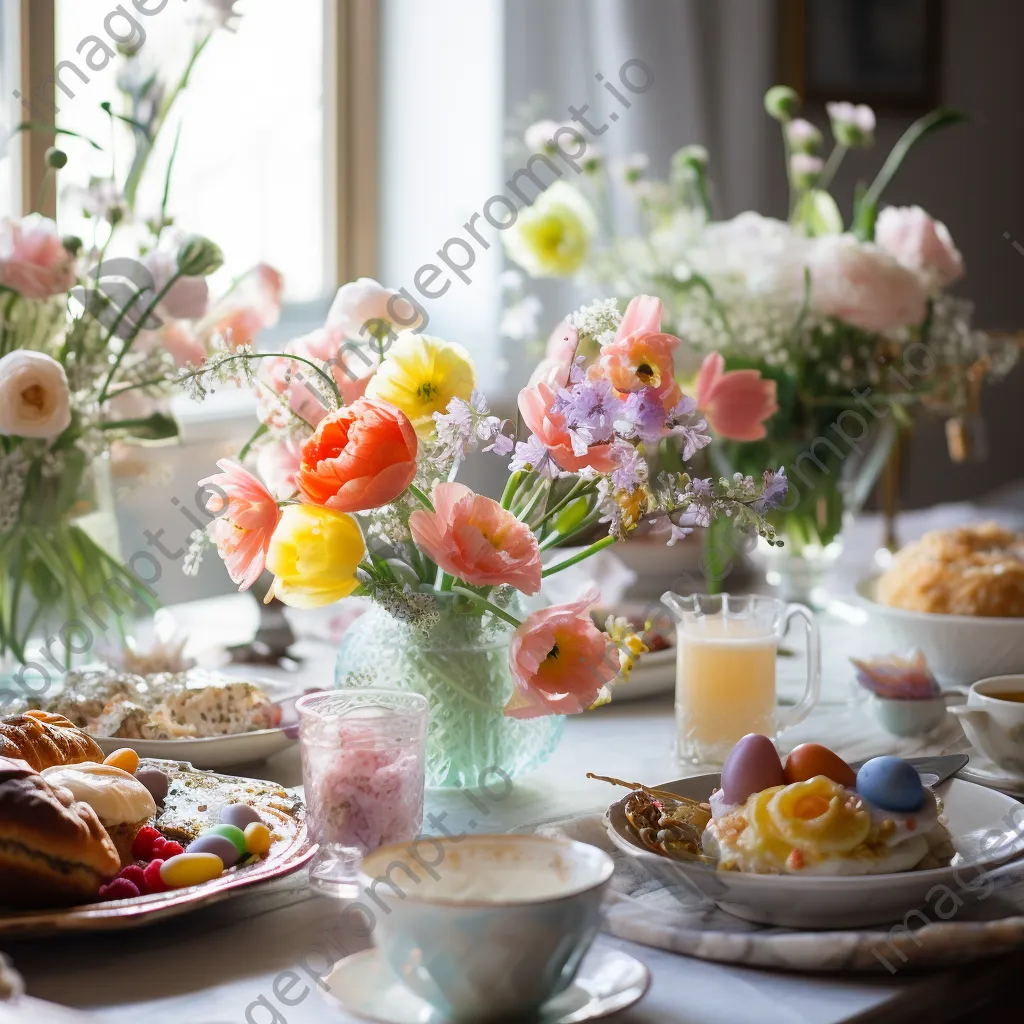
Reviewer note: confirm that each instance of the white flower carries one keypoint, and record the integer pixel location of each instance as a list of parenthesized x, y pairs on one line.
[(802, 135), (852, 125), (223, 14), (364, 309), (920, 243), (805, 168), (540, 136), (34, 397)]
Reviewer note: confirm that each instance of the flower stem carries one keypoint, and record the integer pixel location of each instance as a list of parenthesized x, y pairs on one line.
[(577, 489), (510, 488), (421, 497), (598, 545), (484, 603), (828, 172)]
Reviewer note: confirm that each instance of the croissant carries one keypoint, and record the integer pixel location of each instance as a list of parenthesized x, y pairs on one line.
[(53, 849), (44, 740)]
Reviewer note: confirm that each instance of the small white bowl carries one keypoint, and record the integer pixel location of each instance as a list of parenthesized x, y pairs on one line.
[(908, 717), (960, 648)]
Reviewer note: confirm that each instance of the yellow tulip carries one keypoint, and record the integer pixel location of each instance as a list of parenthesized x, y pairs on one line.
[(421, 375), (313, 555), (552, 237)]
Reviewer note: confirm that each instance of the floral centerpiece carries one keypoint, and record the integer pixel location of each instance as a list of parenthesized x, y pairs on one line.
[(93, 337), (850, 317), (359, 447)]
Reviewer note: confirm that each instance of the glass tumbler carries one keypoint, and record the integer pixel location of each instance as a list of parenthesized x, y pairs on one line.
[(363, 772)]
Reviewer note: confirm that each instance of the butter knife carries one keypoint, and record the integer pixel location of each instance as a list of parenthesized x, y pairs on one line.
[(934, 769)]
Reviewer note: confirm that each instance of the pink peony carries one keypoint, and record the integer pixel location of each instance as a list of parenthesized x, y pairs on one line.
[(549, 426), (736, 403), (241, 531), (33, 260), (641, 355), (559, 661), (920, 244), (476, 540), (863, 285)]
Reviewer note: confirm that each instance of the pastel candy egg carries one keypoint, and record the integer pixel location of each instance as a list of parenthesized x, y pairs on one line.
[(231, 832), (155, 781), (219, 846), (124, 758), (190, 869), (752, 765), (239, 815), (812, 759), (891, 784), (257, 838)]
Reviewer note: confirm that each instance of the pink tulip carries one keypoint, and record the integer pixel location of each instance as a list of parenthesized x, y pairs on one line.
[(554, 368), (278, 465), (920, 244), (559, 661), (549, 426), (245, 523), (33, 260), (735, 403), (641, 355), (474, 539)]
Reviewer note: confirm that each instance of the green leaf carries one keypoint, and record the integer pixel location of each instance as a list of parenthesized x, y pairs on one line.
[(45, 126), (866, 210), (156, 427), (572, 515), (819, 214)]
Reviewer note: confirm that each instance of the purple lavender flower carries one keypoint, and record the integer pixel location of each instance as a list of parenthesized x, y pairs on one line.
[(775, 488), (678, 531), (641, 415), (531, 454), (692, 437), (631, 470), (502, 444), (590, 408)]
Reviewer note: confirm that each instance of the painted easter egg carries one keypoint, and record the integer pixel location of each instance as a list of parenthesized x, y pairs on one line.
[(124, 758), (811, 759), (218, 845), (239, 815), (190, 869), (258, 839), (231, 832), (752, 765), (891, 784), (155, 781)]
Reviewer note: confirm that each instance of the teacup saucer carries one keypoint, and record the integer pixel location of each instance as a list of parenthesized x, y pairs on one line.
[(608, 981), (987, 773)]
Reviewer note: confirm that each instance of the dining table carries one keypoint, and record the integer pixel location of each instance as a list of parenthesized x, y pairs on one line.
[(262, 956)]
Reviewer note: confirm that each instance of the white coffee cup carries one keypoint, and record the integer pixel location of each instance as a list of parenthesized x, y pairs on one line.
[(489, 926), (996, 726)]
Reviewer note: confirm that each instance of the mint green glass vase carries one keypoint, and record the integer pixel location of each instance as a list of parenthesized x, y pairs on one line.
[(457, 657)]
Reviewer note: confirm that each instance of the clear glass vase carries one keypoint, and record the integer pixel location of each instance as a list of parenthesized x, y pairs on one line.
[(831, 476), (457, 657), (64, 589)]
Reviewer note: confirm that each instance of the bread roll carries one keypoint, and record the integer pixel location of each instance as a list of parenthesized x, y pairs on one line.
[(43, 740), (53, 850)]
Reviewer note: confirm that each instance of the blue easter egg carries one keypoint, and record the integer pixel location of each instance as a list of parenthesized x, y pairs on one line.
[(891, 784)]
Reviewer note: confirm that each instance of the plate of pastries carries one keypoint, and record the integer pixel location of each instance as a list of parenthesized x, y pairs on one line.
[(100, 841), (202, 716)]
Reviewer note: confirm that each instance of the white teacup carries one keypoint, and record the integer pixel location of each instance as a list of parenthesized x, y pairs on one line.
[(489, 926), (993, 722)]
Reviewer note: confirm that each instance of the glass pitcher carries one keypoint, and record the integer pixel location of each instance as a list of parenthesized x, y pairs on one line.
[(726, 648)]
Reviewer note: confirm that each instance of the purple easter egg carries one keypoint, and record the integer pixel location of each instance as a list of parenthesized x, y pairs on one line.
[(752, 765), (239, 815), (220, 846)]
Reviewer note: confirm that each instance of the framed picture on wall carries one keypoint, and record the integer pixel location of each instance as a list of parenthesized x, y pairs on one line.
[(881, 52)]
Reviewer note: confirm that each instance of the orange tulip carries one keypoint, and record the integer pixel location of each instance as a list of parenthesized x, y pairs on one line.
[(361, 456)]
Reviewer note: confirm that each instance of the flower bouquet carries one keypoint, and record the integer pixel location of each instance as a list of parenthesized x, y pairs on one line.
[(93, 338), (359, 450), (850, 318)]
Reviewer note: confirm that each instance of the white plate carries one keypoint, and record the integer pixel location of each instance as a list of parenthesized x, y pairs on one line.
[(819, 901), (207, 752), (608, 981), (985, 773), (961, 649)]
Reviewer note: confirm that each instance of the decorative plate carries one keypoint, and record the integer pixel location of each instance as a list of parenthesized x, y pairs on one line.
[(207, 751), (193, 803)]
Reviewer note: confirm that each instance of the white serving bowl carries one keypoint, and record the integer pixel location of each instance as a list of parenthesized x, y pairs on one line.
[(961, 649), (972, 812)]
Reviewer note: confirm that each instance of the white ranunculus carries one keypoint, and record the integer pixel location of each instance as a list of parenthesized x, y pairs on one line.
[(34, 396)]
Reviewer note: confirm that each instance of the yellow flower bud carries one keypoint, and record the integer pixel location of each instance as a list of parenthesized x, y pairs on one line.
[(313, 555)]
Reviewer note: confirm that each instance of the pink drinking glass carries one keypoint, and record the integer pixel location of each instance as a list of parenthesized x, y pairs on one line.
[(363, 772)]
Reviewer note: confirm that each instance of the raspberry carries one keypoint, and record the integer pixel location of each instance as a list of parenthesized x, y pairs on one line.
[(157, 849), (118, 889), (151, 874), (134, 875), (142, 847), (171, 849)]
